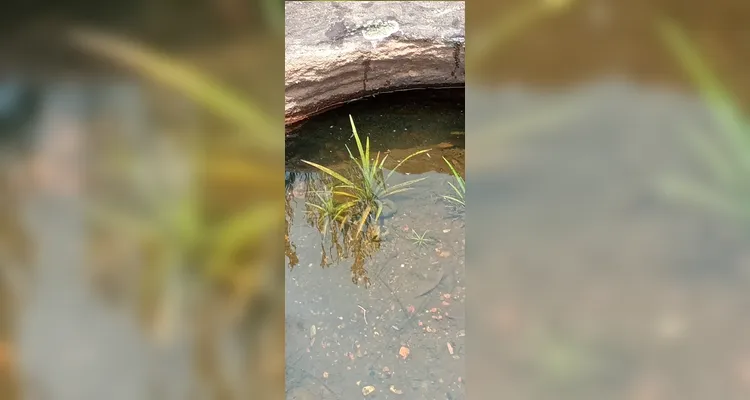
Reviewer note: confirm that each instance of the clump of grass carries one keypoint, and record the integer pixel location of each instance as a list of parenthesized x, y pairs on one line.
[(348, 205), (459, 197), (366, 185), (420, 240), (728, 158)]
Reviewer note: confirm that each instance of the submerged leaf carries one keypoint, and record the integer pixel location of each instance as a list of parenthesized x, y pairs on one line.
[(403, 352)]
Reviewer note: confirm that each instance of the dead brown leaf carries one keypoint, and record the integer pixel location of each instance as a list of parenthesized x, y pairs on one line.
[(404, 352)]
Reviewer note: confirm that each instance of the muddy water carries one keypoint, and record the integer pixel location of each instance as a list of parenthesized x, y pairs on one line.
[(343, 335)]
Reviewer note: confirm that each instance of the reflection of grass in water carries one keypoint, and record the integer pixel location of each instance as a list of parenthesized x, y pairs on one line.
[(290, 250), (196, 232), (328, 210), (339, 240), (727, 158)]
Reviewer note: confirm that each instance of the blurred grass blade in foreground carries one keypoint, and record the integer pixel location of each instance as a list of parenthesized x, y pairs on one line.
[(210, 244), (728, 159), (510, 25), (721, 102), (273, 11), (220, 100)]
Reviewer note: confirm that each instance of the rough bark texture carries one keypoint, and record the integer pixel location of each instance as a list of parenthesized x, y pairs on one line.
[(342, 51)]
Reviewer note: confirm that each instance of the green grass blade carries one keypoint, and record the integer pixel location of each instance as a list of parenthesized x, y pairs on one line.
[(718, 163), (376, 164), (458, 177), (348, 204), (348, 150), (345, 207), (720, 101), (397, 191), (382, 162), (364, 160), (698, 70), (455, 200), (458, 192), (347, 194), (330, 172), (404, 184), (405, 160), (316, 206), (379, 211)]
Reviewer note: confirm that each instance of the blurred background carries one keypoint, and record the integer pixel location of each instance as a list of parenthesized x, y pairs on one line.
[(608, 173), (608, 199), (142, 202)]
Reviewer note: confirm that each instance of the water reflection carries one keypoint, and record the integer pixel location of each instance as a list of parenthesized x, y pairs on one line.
[(338, 241)]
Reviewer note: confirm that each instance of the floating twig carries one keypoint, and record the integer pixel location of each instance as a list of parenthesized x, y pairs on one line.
[(364, 313)]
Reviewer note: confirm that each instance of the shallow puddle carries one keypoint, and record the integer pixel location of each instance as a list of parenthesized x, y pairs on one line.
[(372, 328)]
